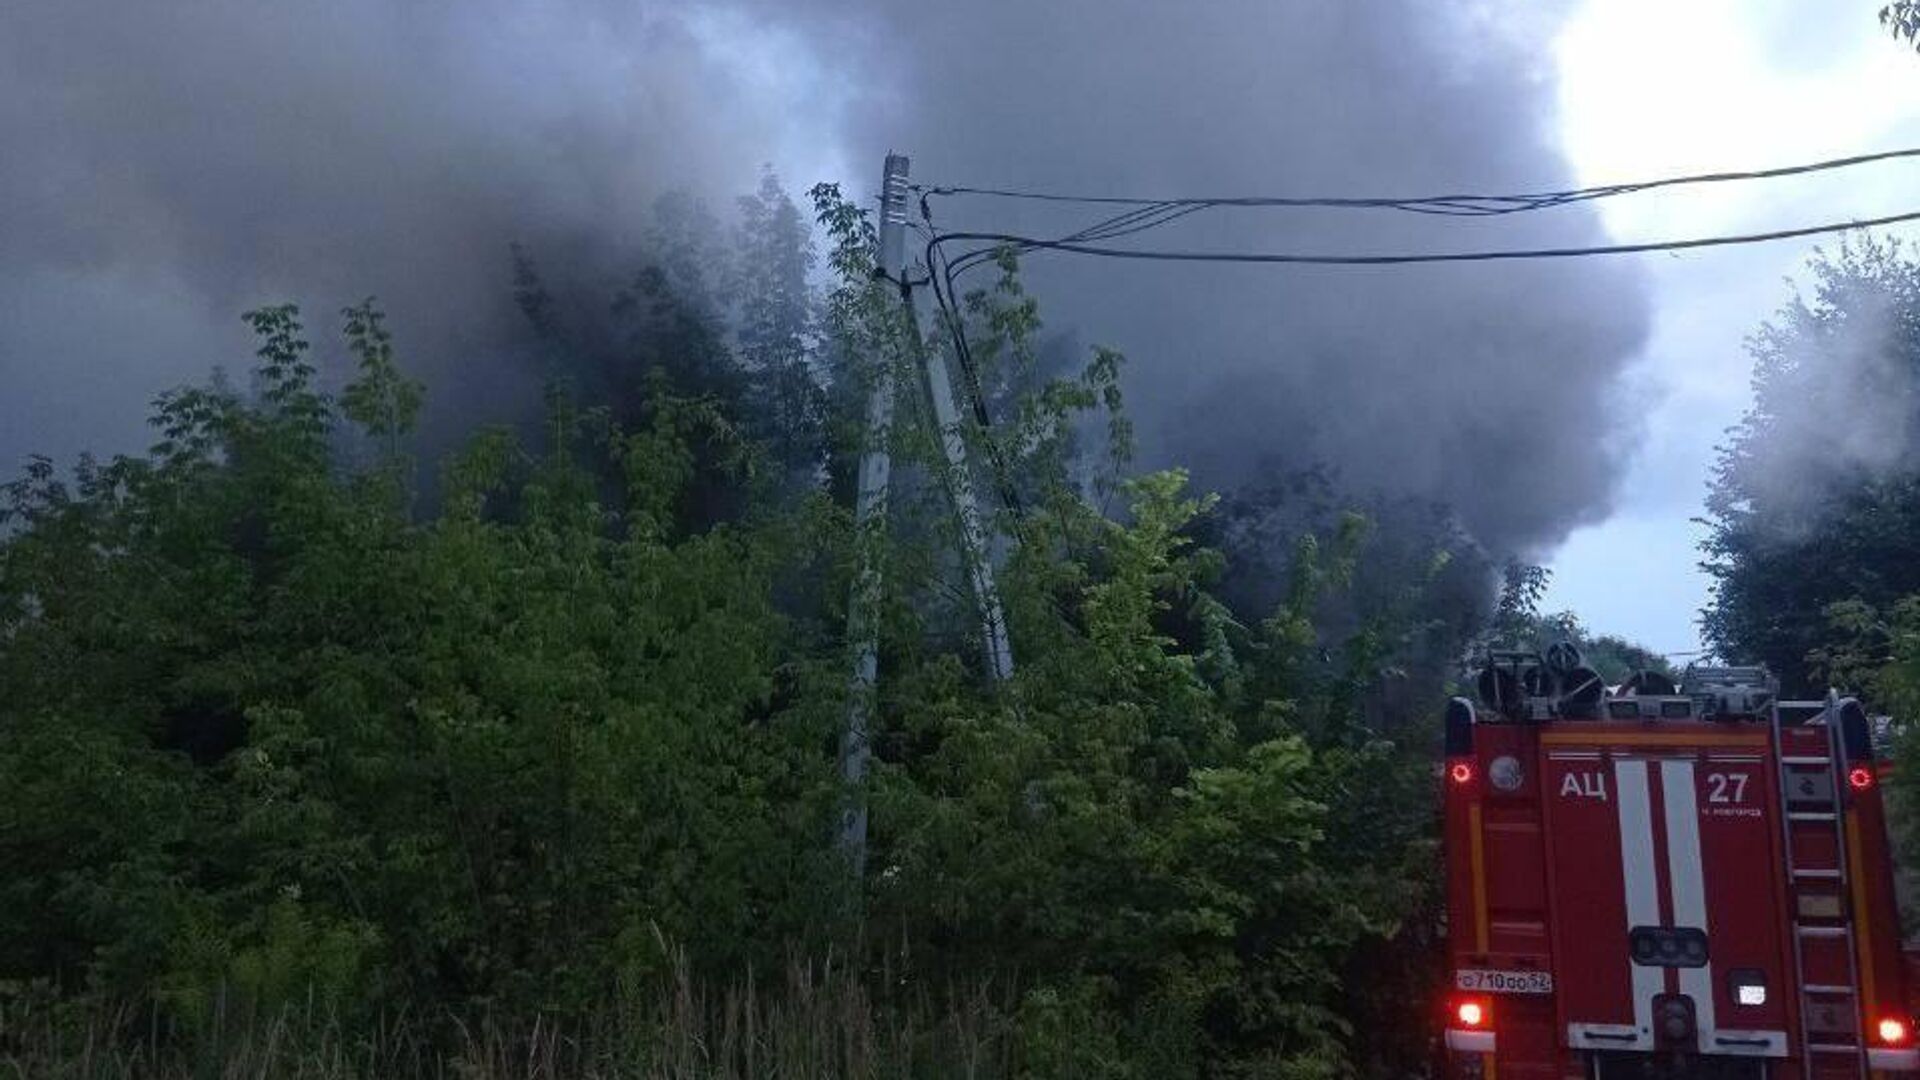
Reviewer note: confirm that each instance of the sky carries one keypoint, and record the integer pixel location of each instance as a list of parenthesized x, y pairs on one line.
[(1649, 88)]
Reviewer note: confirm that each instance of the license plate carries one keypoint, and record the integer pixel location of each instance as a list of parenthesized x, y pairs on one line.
[(1503, 982)]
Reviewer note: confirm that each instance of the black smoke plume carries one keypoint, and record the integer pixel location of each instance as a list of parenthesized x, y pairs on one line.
[(167, 165)]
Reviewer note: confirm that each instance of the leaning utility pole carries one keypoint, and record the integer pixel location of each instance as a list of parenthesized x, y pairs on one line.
[(870, 511), (959, 484)]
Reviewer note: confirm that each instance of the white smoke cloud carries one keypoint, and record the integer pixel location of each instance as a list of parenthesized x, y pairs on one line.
[(1836, 386)]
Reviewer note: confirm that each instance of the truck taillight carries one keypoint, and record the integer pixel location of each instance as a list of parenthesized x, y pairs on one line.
[(1470, 1028), (1475, 1013), (1460, 772), (1861, 778), (1893, 1031)]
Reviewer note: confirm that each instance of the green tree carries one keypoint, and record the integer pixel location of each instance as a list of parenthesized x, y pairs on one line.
[(1902, 19), (1169, 820), (1519, 623), (274, 733), (489, 754), (775, 336), (1816, 498)]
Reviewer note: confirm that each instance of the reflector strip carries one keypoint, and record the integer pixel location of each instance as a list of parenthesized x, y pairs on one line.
[(1642, 886), (1470, 1042), (1863, 930), (1689, 888), (1477, 845), (1882, 1060), (1604, 1037), (1748, 1043), (1651, 738)]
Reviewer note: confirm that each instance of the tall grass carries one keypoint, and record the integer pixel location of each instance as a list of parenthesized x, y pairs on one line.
[(817, 1020)]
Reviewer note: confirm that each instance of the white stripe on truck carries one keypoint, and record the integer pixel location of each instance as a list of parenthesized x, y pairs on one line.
[(1689, 885), (1643, 888)]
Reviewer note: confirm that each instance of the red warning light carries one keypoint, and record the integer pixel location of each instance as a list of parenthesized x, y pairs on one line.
[(1893, 1031), (1460, 772), (1861, 778), (1472, 1014)]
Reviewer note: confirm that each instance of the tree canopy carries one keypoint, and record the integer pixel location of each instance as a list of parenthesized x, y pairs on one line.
[(286, 726), (1815, 499)]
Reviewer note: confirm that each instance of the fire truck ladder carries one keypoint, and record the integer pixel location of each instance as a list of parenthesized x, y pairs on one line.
[(1806, 738)]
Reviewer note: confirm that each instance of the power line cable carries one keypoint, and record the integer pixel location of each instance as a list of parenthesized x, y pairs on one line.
[(1459, 202), (972, 387), (1404, 259), (1147, 214), (939, 271), (947, 299)]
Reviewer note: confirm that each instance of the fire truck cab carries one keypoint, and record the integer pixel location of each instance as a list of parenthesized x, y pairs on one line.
[(1666, 879)]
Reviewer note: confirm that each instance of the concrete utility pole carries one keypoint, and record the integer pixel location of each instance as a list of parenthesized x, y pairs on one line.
[(870, 513), (870, 516), (959, 483)]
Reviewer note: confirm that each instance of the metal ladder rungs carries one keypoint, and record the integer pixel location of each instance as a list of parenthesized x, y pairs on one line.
[(1847, 996)]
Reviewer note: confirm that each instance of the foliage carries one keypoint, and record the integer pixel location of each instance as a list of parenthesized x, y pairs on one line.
[(808, 1021), (1414, 589), (1516, 616), (469, 744), (1902, 19), (1615, 658), (1815, 498), (775, 336), (1519, 623), (277, 738), (1875, 654), (1815, 506)]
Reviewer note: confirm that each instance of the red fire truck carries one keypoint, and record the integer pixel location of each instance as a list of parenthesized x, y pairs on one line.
[(1667, 879)]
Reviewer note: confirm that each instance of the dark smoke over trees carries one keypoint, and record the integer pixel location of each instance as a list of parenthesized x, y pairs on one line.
[(1426, 383), (189, 162)]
